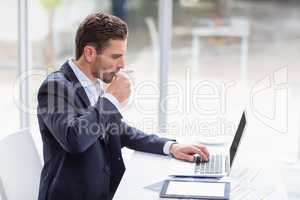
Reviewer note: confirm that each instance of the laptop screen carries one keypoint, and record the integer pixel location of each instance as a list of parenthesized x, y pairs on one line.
[(237, 138)]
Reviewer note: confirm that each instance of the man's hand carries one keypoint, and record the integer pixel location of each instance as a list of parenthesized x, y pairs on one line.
[(119, 87), (186, 152)]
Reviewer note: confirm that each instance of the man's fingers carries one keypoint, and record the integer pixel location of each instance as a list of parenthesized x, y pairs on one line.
[(184, 156), (203, 148), (122, 75), (199, 151), (187, 152), (205, 151)]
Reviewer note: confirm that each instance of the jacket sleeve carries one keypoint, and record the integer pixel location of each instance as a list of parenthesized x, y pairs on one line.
[(135, 139), (74, 129)]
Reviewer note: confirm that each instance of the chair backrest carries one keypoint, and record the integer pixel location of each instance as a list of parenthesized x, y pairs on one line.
[(20, 167)]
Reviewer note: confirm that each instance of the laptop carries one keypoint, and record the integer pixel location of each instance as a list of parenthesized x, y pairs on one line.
[(219, 164)]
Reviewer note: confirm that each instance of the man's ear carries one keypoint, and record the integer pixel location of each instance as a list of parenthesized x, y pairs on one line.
[(89, 53)]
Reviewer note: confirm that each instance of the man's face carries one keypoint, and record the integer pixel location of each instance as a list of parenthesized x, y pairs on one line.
[(110, 60)]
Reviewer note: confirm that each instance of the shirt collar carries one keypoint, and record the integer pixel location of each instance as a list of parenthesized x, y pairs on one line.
[(83, 79)]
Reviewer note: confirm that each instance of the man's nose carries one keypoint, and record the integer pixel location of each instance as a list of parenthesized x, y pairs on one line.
[(121, 63)]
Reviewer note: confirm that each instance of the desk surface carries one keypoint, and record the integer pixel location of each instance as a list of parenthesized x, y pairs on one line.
[(143, 169)]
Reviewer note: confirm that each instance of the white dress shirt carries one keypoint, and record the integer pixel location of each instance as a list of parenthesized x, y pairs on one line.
[(92, 90), (95, 90)]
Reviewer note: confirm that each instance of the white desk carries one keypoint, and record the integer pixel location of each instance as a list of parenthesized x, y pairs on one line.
[(145, 169)]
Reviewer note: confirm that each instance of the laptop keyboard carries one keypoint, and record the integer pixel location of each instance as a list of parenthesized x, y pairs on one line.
[(213, 166)]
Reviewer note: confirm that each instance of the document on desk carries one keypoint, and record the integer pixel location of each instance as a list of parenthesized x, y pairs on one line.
[(250, 183), (155, 187)]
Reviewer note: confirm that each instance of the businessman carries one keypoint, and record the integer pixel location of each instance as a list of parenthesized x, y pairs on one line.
[(80, 122)]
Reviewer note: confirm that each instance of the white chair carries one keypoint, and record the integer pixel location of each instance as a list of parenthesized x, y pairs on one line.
[(20, 167)]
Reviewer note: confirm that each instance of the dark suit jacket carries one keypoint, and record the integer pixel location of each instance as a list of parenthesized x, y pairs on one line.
[(82, 143)]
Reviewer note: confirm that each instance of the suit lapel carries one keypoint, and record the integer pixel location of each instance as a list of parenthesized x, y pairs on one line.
[(112, 143), (67, 70)]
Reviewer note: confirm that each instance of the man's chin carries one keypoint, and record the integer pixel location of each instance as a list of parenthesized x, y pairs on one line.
[(107, 81), (107, 78)]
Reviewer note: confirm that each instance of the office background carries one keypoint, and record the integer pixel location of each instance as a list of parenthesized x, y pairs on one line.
[(257, 65)]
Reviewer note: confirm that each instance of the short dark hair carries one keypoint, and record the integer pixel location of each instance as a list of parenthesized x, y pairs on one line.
[(97, 29)]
